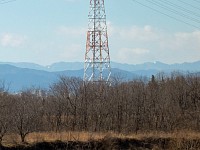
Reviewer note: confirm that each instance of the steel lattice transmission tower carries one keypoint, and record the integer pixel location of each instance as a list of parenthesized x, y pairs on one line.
[(97, 59)]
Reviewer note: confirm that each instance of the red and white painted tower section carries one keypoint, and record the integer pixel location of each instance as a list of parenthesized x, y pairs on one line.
[(97, 59)]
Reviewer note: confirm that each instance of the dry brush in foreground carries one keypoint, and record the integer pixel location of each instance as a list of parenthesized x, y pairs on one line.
[(105, 141)]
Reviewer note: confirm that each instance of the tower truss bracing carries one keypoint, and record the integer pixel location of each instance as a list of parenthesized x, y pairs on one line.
[(97, 59)]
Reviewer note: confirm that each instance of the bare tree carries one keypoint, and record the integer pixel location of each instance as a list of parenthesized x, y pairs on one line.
[(5, 109), (26, 117), (66, 95)]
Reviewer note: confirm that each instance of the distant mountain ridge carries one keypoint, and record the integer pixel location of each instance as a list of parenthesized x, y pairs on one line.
[(17, 79), (159, 66), (193, 66), (25, 75)]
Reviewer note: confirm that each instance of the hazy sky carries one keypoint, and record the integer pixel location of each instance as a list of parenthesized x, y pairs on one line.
[(48, 31)]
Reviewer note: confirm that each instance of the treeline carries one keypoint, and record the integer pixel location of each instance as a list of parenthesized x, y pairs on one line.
[(162, 103)]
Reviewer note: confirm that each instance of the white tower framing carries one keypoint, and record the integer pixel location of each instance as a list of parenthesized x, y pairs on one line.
[(97, 60)]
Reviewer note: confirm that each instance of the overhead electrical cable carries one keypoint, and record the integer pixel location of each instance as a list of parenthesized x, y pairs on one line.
[(160, 5), (188, 4), (172, 17), (180, 8), (196, 1)]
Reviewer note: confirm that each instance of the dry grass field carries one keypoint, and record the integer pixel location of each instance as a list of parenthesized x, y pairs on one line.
[(177, 140)]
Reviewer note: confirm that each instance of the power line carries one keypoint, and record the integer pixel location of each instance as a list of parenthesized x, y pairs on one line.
[(168, 8), (180, 8), (188, 4), (160, 5), (196, 1), (179, 20)]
